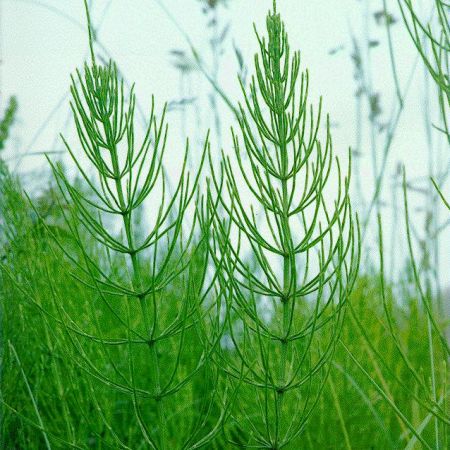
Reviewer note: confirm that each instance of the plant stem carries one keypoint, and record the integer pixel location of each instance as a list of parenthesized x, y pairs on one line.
[(281, 129), (137, 285)]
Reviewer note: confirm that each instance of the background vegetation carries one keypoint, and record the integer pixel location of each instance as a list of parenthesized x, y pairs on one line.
[(237, 303)]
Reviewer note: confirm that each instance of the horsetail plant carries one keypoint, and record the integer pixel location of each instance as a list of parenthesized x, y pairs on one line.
[(140, 350), (435, 55), (286, 259), (167, 257)]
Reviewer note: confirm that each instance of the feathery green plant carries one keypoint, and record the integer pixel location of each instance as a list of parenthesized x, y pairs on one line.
[(436, 39), (286, 259), (126, 176), (118, 336), (438, 63)]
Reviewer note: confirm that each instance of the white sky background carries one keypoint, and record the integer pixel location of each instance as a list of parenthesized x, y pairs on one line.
[(40, 49)]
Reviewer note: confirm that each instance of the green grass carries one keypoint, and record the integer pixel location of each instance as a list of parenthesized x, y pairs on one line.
[(210, 328), (51, 387)]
